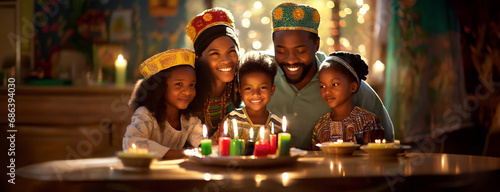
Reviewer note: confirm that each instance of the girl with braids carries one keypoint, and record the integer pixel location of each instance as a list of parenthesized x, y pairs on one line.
[(339, 78), (217, 51)]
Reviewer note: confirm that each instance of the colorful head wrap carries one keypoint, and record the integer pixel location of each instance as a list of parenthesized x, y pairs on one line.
[(209, 25), (291, 16), (165, 60)]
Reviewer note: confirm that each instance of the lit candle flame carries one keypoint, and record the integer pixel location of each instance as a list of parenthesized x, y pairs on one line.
[(251, 133), (284, 124), (225, 128), (261, 132), (133, 146), (272, 128), (235, 128), (339, 141), (377, 141), (383, 141), (205, 131)]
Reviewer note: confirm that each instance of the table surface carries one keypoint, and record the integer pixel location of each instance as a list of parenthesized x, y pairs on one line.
[(313, 170)]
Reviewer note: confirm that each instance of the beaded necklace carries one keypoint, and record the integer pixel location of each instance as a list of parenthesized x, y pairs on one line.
[(223, 103)]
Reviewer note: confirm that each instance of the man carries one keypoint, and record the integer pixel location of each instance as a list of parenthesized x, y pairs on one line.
[(297, 95)]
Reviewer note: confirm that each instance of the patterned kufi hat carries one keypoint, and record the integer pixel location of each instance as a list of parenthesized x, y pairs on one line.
[(165, 60), (291, 16)]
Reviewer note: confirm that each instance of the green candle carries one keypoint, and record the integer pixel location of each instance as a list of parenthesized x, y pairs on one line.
[(283, 141), (237, 145), (206, 144)]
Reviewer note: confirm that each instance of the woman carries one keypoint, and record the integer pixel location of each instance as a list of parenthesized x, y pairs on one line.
[(216, 46)]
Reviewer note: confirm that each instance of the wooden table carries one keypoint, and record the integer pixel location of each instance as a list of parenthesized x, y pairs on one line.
[(412, 172)]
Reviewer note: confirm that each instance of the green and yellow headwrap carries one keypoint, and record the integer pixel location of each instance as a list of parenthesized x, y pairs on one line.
[(291, 16)]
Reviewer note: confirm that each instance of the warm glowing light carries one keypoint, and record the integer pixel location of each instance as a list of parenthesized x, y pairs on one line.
[(285, 178), (335, 32), (362, 10), (235, 128), (134, 146), (284, 124), (256, 45), (377, 141), (361, 20), (362, 48), (265, 20), (335, 24), (366, 6), (331, 49), (225, 127), (259, 178), (257, 4), (342, 23), (245, 23), (383, 141), (330, 4), (205, 131), (247, 14), (348, 11), (208, 177), (331, 165), (340, 168), (252, 34), (330, 41), (342, 13), (359, 2), (345, 42), (378, 66), (339, 141), (261, 132), (251, 133)]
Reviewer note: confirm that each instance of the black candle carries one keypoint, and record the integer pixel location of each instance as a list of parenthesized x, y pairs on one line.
[(250, 144)]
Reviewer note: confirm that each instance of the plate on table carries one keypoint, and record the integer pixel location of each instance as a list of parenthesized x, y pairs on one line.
[(243, 161), (330, 148), (385, 152)]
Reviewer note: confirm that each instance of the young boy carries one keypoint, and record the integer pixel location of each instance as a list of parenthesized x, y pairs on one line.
[(255, 75)]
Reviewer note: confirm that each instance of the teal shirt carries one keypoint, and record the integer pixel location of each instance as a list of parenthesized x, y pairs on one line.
[(304, 107)]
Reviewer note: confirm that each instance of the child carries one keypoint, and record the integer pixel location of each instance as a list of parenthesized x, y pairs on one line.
[(162, 118), (339, 78), (256, 73)]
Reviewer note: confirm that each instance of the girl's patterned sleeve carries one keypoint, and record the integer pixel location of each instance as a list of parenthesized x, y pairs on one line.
[(139, 131), (196, 135), (314, 139)]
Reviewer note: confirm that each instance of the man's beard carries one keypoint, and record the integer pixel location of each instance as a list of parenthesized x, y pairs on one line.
[(306, 69)]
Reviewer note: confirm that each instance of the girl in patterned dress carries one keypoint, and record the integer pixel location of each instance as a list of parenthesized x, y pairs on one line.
[(339, 78)]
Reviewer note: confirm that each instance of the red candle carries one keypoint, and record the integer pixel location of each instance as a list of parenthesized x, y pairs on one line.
[(261, 147), (272, 141), (224, 142)]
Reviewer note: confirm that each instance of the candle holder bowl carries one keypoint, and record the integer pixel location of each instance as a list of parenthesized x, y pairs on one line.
[(133, 160), (385, 152), (337, 150)]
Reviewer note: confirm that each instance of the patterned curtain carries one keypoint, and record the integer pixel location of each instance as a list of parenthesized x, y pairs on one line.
[(425, 88)]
